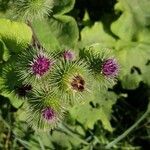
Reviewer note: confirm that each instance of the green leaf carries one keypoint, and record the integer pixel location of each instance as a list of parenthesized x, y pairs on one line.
[(8, 83), (63, 6), (144, 36), (146, 74), (15, 101), (4, 52), (131, 81), (125, 27), (45, 35), (134, 18), (61, 139), (65, 29), (60, 30), (131, 26), (132, 55), (65, 138), (105, 101), (96, 34), (15, 35)]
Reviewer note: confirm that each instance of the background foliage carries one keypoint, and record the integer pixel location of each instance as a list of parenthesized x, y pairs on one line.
[(124, 27)]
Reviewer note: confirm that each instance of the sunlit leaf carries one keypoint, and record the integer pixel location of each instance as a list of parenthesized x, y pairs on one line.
[(63, 6), (15, 35)]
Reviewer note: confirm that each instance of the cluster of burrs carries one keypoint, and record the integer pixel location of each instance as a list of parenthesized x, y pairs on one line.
[(32, 9), (51, 82)]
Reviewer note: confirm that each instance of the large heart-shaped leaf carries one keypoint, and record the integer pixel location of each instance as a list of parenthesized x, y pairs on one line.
[(134, 18), (45, 35), (15, 35), (63, 6), (133, 57), (104, 100), (96, 34), (59, 30)]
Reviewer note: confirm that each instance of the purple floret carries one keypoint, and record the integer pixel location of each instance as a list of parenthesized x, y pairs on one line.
[(48, 113), (110, 68), (41, 65), (68, 55)]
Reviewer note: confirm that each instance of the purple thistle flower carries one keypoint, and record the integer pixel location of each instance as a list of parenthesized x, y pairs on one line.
[(41, 65), (69, 55), (48, 113), (110, 68)]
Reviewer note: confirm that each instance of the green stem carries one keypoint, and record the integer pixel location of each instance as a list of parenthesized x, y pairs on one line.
[(65, 129), (119, 138), (41, 143), (35, 41), (5, 123)]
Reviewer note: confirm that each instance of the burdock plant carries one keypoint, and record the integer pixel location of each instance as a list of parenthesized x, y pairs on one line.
[(44, 109), (34, 65), (33, 9), (69, 55), (72, 79), (110, 68), (104, 65), (51, 82)]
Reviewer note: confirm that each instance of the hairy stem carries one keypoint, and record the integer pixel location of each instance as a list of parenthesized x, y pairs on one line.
[(35, 41)]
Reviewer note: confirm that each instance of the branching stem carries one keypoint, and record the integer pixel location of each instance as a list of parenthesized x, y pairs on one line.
[(122, 136)]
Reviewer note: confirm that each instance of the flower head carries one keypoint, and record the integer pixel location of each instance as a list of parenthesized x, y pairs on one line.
[(72, 80), (68, 55), (34, 65), (110, 68), (41, 65), (33, 9), (44, 109), (78, 83), (48, 113)]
